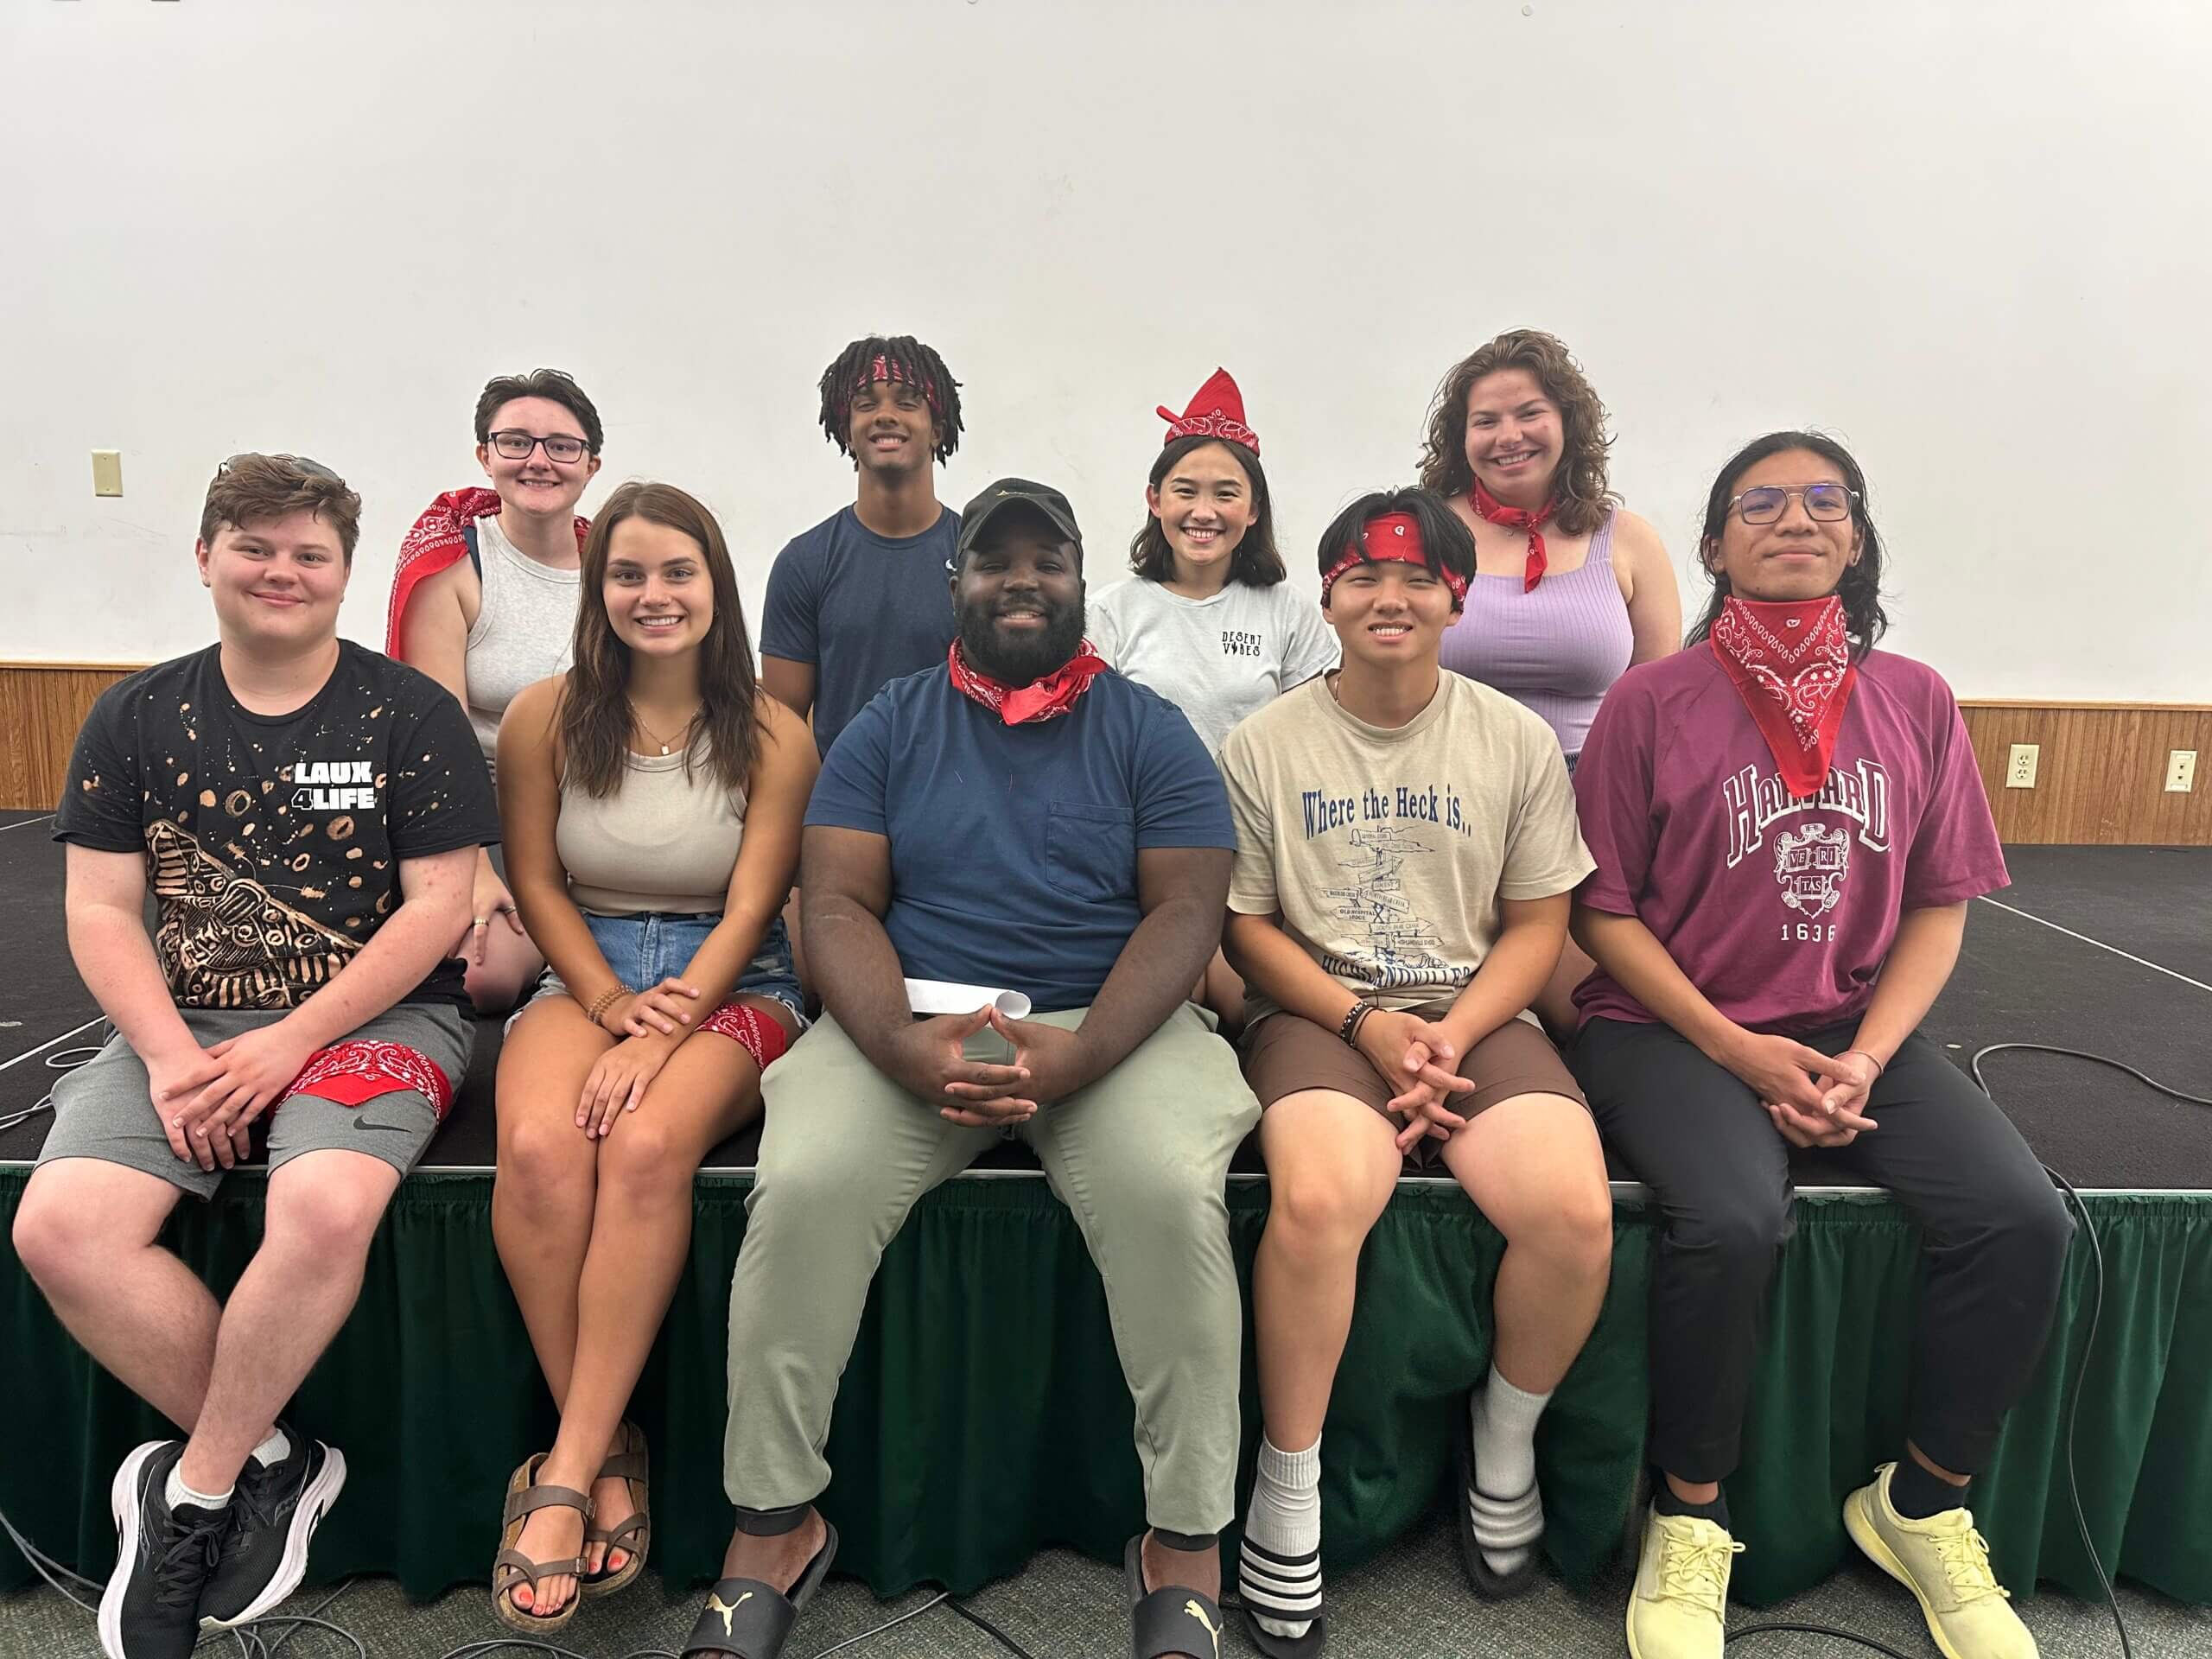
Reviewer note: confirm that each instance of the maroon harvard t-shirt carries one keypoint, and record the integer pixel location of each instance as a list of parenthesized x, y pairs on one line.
[(1779, 911)]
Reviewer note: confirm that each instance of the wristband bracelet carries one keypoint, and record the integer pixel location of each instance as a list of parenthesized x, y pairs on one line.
[(1878, 1067), (606, 1000), (1355, 1017)]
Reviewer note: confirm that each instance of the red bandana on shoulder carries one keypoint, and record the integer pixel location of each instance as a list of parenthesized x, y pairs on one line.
[(1489, 507), (439, 538), (1791, 664), (1018, 705)]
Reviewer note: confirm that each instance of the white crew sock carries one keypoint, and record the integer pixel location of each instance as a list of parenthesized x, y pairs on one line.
[(274, 1450), (1502, 1420), (176, 1492), (1285, 1520)]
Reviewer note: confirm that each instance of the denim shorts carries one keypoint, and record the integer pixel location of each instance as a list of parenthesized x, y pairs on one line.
[(643, 951)]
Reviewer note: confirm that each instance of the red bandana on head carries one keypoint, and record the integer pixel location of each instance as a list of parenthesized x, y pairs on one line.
[(1019, 705), (1791, 664), (1217, 411), (1387, 537), (1489, 507), (887, 368)]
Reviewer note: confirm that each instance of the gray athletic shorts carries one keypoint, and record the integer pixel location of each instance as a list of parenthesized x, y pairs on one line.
[(104, 1108)]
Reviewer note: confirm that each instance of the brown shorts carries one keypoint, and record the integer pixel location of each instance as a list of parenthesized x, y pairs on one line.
[(1286, 1052)]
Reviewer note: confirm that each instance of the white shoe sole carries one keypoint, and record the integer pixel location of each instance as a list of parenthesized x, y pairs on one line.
[(321, 1492), (123, 1503)]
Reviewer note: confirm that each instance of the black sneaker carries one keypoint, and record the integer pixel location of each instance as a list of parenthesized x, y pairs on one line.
[(151, 1609), (273, 1517)]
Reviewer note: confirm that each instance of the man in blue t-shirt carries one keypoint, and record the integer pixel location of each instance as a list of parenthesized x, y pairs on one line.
[(860, 599), (1018, 817)]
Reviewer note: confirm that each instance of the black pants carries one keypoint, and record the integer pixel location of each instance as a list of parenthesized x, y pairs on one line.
[(1995, 1234)]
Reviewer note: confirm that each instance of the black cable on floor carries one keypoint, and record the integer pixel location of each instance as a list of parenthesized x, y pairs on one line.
[(990, 1630)]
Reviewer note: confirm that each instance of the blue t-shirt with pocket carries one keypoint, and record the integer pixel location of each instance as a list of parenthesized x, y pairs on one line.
[(1013, 849), (861, 609)]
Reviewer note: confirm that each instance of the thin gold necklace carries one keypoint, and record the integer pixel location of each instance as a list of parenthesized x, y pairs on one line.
[(654, 735)]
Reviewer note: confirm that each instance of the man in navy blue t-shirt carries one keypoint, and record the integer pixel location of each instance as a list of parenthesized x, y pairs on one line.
[(860, 599), (1020, 817)]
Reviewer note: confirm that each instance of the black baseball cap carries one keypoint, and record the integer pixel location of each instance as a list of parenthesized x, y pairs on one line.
[(1011, 492)]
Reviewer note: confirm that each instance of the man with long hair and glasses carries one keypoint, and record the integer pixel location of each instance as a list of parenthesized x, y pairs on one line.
[(1789, 825), (1020, 817), (307, 813)]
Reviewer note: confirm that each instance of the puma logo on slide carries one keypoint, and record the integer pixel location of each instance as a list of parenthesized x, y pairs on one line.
[(716, 1605), (1198, 1612)]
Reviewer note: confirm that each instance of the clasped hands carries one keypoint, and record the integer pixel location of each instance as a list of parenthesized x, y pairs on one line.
[(929, 1058)]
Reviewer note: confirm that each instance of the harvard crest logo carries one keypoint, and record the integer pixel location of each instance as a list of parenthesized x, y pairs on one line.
[(1811, 863)]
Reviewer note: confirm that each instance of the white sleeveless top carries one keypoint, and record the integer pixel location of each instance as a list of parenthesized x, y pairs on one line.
[(525, 628), (661, 842)]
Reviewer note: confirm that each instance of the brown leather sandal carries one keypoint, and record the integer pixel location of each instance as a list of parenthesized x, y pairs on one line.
[(634, 1537), (511, 1567)]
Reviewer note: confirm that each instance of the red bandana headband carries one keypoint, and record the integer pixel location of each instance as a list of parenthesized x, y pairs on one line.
[(1489, 507), (1217, 411), (1791, 664), (1391, 537), (887, 368), (1044, 699)]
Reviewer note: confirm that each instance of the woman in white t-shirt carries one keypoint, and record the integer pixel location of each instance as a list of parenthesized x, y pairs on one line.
[(1208, 623), (483, 601)]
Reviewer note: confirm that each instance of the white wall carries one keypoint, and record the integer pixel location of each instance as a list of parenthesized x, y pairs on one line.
[(1967, 238)]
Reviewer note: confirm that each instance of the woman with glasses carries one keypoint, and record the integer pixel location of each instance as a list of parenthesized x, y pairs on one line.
[(483, 601), (1788, 826), (652, 797), (1570, 588)]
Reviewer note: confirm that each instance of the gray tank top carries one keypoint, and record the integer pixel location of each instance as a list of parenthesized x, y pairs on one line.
[(525, 628), (658, 843)]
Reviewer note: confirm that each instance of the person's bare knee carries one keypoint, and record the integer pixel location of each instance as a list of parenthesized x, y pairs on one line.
[(326, 1207), (73, 1223), (643, 1164), (547, 1166)]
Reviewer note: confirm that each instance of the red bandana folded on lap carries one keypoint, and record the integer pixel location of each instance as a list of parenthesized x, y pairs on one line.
[(1489, 507), (1018, 705), (440, 536), (360, 1069), (1791, 664), (758, 1034), (1386, 538)]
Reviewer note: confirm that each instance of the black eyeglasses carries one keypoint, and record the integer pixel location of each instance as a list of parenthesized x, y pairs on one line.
[(313, 468), (516, 445), (1826, 502)]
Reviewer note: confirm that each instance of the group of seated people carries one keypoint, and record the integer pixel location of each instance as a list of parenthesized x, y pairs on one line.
[(1475, 864)]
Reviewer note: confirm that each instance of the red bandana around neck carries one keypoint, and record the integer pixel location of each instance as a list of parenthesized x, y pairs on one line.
[(439, 538), (1791, 664), (1019, 705), (1489, 507)]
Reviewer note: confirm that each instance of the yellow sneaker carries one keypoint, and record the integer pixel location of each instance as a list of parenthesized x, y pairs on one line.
[(1679, 1607), (1945, 1563)]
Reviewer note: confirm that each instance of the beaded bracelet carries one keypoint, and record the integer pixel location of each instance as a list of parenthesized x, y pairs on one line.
[(605, 1000), (1355, 1017)]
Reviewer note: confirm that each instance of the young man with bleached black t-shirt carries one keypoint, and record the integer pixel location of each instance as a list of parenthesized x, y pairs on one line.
[(307, 813)]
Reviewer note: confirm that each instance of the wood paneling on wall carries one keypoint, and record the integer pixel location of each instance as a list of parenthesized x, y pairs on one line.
[(2100, 775), (41, 706)]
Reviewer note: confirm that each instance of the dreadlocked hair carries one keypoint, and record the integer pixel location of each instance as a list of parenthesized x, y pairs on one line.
[(1860, 586), (917, 365), (594, 718)]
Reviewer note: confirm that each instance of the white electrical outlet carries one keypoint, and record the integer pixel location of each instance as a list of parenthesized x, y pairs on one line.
[(2181, 771), (2020, 770)]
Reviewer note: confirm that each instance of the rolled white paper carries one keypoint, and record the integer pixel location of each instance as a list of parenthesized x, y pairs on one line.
[(941, 996)]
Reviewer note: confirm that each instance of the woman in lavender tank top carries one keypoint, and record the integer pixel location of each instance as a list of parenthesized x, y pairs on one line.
[(1570, 588)]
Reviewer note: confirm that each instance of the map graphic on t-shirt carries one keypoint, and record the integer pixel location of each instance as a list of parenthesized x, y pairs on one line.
[(1401, 945)]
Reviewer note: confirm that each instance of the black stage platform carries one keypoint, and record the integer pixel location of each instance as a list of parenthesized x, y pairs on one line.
[(2107, 949)]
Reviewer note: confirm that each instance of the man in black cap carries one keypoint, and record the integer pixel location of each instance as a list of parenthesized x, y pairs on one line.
[(1022, 819)]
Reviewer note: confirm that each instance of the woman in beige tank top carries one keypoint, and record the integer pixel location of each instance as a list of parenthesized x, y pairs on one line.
[(652, 799), (483, 601)]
